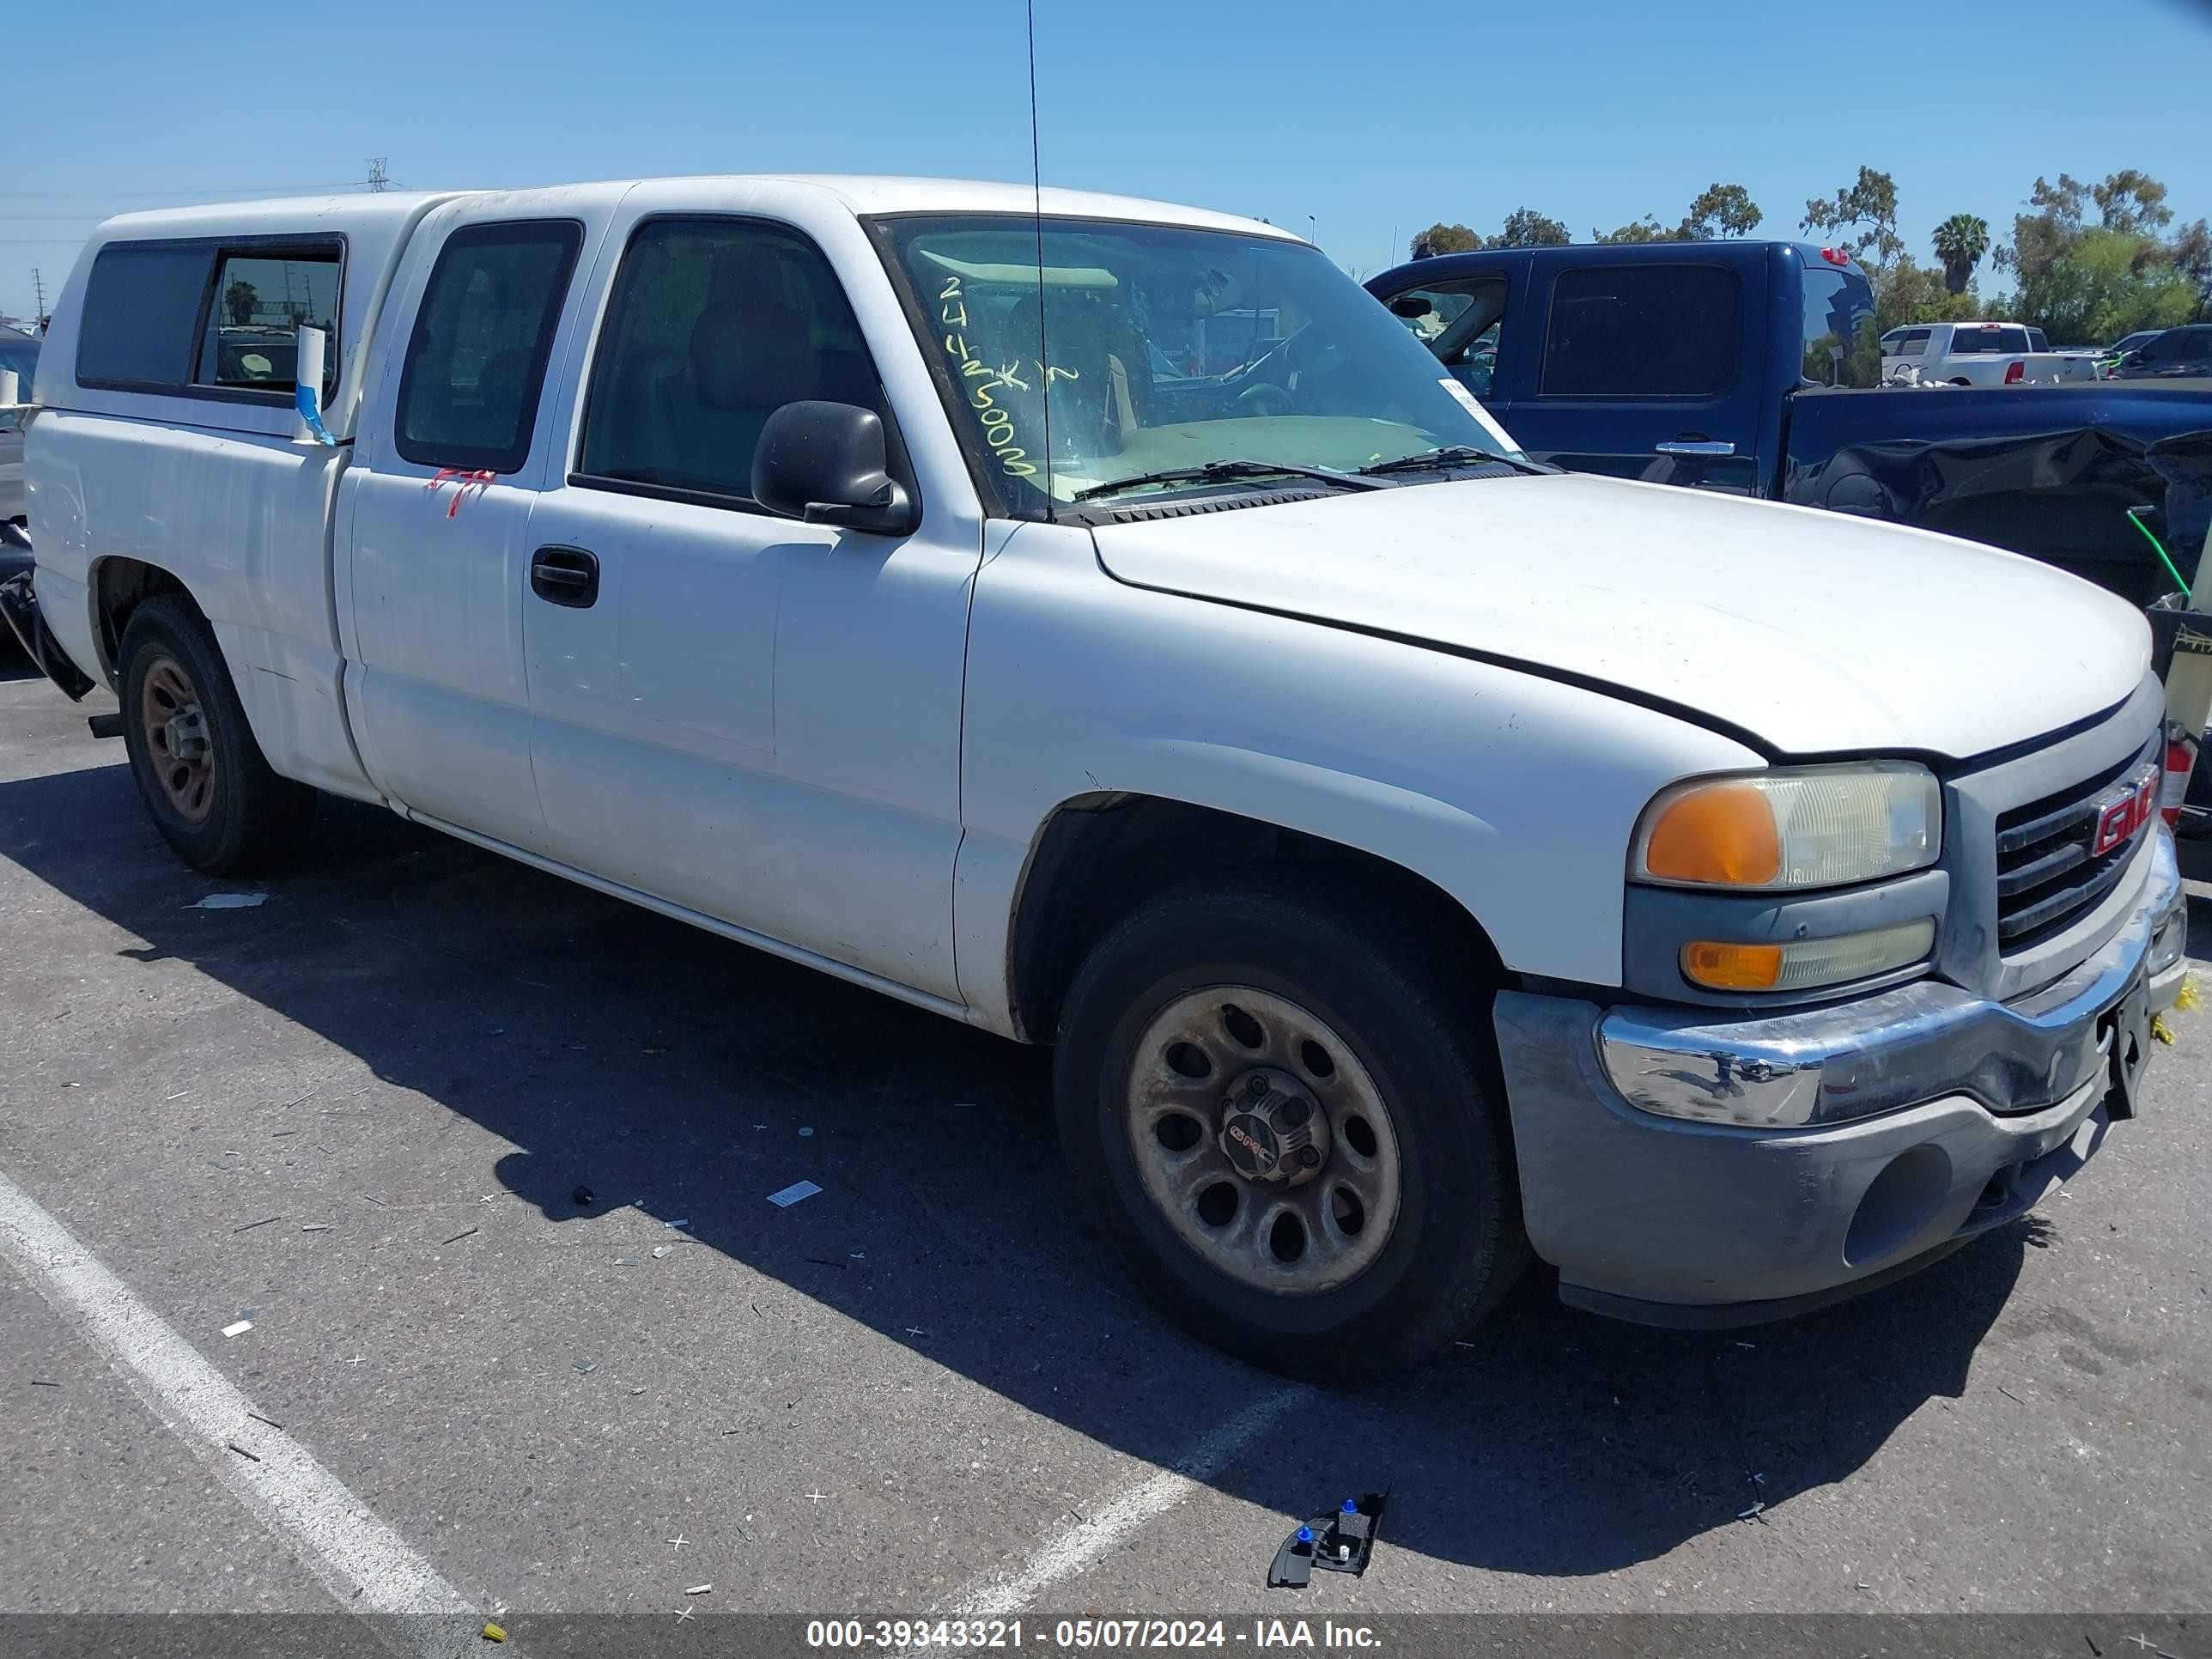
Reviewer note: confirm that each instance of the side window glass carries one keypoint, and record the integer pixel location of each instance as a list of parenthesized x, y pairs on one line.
[(257, 300), (141, 308), (1460, 323), (1642, 331), (714, 325), (1839, 342), (476, 363)]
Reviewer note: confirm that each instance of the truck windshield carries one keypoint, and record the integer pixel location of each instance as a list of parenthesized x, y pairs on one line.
[(1162, 349)]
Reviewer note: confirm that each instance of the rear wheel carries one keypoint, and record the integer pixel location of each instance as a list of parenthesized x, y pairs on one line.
[(206, 782), (1280, 1108)]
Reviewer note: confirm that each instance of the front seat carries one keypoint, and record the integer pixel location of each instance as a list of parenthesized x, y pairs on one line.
[(748, 359)]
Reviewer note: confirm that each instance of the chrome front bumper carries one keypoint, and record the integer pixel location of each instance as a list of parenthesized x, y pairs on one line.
[(1854, 1059), (1682, 1170)]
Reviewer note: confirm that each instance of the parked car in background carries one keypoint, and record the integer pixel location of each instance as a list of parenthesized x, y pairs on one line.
[(20, 352), (2176, 353), (2109, 358), (1982, 354), (1753, 367), (1419, 856)]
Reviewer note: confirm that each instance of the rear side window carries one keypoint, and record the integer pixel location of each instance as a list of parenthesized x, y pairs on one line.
[(476, 363), (259, 297), (1913, 343), (142, 315), (714, 325), (1642, 331), (1839, 342)]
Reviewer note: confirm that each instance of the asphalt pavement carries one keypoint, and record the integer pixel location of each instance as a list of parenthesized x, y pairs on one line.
[(485, 1159)]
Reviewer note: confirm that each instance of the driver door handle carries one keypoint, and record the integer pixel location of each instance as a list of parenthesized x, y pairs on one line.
[(1694, 447), (565, 575)]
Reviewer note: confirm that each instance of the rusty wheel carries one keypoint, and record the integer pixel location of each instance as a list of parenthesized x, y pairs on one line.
[(182, 756)]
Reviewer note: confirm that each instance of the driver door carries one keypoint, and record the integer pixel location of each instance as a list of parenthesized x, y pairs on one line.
[(751, 718)]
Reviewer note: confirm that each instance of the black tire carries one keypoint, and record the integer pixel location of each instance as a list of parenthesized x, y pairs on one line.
[(1361, 962), (247, 817)]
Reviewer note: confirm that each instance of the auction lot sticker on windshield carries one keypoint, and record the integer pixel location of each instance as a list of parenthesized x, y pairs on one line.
[(1467, 400)]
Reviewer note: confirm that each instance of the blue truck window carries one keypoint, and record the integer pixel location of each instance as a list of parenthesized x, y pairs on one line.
[(1670, 331)]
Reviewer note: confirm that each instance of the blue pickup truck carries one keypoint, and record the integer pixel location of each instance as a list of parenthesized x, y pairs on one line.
[(1756, 368)]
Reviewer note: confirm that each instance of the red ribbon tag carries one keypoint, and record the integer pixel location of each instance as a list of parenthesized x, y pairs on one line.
[(463, 482)]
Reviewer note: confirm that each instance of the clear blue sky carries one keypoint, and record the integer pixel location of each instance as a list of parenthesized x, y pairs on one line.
[(1376, 120)]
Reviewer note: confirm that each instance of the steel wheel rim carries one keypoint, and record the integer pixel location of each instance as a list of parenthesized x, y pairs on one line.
[(1300, 1233), (178, 751)]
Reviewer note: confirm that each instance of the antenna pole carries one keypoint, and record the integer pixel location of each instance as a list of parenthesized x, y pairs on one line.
[(1036, 200)]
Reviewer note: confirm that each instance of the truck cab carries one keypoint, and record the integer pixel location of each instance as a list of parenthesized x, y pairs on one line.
[(1099, 623)]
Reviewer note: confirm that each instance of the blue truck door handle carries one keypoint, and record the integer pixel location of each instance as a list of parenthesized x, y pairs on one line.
[(1694, 447)]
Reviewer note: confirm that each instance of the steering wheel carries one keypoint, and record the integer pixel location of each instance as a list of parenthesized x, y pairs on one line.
[(1266, 399)]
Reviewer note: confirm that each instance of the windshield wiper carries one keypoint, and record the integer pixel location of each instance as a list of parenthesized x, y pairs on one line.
[(1221, 471), (1434, 460)]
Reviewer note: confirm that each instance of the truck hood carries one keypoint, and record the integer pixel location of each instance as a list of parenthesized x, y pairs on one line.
[(1815, 633)]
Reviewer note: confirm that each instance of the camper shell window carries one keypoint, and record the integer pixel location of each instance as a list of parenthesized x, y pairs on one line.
[(209, 317)]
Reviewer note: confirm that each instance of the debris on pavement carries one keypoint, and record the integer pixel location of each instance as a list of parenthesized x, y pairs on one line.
[(1293, 1564), (625, 1261), (459, 1235), (239, 1329), (41, 1383), (586, 1366), (660, 1250), (229, 901), (251, 1225), (582, 1198), (803, 1134), (242, 1451), (492, 1633), (787, 1197), (315, 1227), (700, 1589), (270, 1421), (685, 1222), (1343, 1541)]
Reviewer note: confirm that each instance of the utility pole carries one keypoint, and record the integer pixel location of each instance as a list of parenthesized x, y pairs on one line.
[(39, 299), (378, 183)]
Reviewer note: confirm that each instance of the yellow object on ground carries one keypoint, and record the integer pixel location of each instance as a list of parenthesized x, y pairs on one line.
[(494, 1633)]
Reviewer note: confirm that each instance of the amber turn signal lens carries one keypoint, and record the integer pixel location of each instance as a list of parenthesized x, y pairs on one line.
[(1732, 967), (1723, 834)]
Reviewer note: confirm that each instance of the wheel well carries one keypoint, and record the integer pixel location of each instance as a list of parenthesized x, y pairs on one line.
[(122, 586), (1101, 857)]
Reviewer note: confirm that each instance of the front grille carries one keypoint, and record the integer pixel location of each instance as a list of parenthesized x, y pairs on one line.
[(2046, 873)]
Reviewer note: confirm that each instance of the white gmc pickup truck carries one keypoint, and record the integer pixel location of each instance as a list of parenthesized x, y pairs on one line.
[(1420, 858)]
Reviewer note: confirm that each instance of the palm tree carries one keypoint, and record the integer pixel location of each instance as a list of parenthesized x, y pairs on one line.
[(1960, 241)]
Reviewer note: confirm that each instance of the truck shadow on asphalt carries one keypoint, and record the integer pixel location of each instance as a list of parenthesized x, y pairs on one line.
[(637, 1057)]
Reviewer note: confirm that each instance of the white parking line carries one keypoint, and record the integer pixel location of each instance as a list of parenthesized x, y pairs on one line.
[(1069, 1551), (368, 1567)]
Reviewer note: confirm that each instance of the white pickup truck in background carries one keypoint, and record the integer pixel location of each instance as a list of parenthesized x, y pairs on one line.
[(1419, 857), (1982, 354)]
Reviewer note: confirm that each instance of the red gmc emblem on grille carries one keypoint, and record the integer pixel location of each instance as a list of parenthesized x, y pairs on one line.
[(2125, 811)]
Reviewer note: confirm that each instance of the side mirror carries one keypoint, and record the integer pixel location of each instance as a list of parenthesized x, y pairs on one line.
[(828, 464)]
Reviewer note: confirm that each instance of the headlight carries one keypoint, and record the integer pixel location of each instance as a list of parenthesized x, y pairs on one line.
[(1809, 826)]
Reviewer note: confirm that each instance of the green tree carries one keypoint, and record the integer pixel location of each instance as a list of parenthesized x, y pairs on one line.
[(1646, 229), (2191, 249), (1526, 228), (2085, 279), (1720, 211), (2106, 283), (1914, 293), (239, 300), (1441, 237), (1862, 218), (1960, 241)]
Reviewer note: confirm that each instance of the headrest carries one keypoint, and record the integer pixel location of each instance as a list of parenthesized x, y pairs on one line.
[(752, 355)]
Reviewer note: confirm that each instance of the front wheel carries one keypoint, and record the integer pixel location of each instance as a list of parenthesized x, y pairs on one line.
[(1281, 1107)]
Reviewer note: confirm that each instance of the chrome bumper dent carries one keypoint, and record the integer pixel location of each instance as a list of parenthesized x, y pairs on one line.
[(1854, 1059)]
